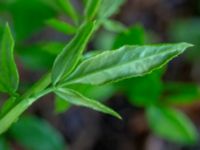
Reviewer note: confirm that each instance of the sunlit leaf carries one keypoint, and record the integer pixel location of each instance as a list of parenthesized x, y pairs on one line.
[(126, 62)]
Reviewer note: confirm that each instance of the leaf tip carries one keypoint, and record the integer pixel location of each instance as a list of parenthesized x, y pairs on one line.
[(7, 27), (7, 31), (117, 115), (186, 45)]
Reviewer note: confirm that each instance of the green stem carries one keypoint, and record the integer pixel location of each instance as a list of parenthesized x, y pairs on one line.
[(38, 90), (42, 84)]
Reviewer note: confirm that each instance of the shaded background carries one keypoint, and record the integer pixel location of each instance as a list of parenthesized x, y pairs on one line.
[(153, 21)]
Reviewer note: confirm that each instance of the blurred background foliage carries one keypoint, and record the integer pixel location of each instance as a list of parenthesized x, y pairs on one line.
[(152, 106)]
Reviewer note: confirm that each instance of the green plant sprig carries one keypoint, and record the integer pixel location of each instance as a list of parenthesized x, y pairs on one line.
[(107, 67)]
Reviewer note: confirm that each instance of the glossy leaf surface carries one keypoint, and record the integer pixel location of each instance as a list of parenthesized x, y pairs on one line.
[(126, 62)]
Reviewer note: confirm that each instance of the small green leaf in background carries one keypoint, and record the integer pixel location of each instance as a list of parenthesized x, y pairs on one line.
[(35, 58), (36, 134), (9, 78), (109, 8), (40, 56), (92, 8), (3, 144), (29, 16), (1, 28), (61, 26), (126, 62), (190, 27), (133, 35), (76, 98), (114, 26), (104, 40), (171, 124), (71, 54), (143, 91), (61, 105), (181, 93), (100, 93), (68, 9)]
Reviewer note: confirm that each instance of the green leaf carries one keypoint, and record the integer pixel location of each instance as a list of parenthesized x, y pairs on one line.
[(114, 26), (68, 8), (36, 134), (99, 93), (9, 78), (104, 40), (40, 56), (109, 8), (134, 35), (134, 88), (71, 54), (126, 62), (61, 26), (4, 144), (92, 8), (31, 12), (181, 93), (77, 99), (181, 27), (61, 105), (36, 57), (171, 124)]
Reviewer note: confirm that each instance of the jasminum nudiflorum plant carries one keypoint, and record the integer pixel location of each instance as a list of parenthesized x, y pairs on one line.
[(70, 69)]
